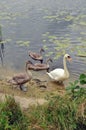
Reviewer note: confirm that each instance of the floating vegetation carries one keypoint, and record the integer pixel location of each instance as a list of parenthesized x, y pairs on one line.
[(45, 47), (45, 34), (50, 17), (80, 48), (44, 41), (81, 53), (83, 23), (69, 18), (79, 21), (5, 41), (61, 45), (59, 16), (23, 43), (52, 37)]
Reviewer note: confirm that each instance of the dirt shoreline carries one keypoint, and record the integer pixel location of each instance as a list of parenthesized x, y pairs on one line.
[(24, 102), (37, 90), (36, 94)]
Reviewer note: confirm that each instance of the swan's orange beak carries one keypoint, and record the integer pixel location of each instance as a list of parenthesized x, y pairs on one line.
[(70, 59)]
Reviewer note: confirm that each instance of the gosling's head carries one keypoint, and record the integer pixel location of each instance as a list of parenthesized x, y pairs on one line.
[(42, 50)]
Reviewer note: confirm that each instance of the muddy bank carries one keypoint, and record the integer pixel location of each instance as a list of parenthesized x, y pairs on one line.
[(37, 92), (24, 102), (38, 89)]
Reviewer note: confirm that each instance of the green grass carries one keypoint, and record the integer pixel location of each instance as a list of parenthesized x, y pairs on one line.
[(67, 112), (11, 116), (62, 112)]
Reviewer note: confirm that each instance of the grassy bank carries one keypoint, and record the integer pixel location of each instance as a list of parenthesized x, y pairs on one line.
[(62, 112), (66, 112)]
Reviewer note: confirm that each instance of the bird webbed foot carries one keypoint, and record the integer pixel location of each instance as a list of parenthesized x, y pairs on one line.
[(23, 88), (60, 82)]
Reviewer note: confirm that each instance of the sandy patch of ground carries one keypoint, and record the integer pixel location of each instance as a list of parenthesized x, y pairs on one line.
[(37, 91), (25, 102)]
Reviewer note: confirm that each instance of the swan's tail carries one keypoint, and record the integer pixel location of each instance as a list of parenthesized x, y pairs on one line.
[(47, 73)]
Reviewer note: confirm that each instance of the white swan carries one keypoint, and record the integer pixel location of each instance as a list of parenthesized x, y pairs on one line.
[(60, 74)]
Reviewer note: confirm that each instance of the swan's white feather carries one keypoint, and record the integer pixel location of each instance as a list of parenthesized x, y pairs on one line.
[(60, 74), (56, 73)]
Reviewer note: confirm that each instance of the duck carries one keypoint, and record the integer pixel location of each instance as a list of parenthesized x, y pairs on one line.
[(21, 78), (60, 74), (39, 66), (37, 56)]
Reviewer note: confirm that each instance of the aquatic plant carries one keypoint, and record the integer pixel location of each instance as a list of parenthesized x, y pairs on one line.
[(60, 44), (23, 43)]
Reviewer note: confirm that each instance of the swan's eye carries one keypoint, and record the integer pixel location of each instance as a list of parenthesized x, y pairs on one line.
[(69, 57)]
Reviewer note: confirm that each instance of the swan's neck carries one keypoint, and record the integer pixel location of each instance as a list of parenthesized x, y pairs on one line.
[(29, 73), (65, 67)]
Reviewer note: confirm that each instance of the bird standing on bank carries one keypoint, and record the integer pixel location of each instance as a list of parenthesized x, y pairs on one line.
[(60, 74), (21, 78)]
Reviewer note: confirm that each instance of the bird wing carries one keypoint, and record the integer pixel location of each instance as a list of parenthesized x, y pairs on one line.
[(40, 65), (34, 55), (55, 74), (22, 78)]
